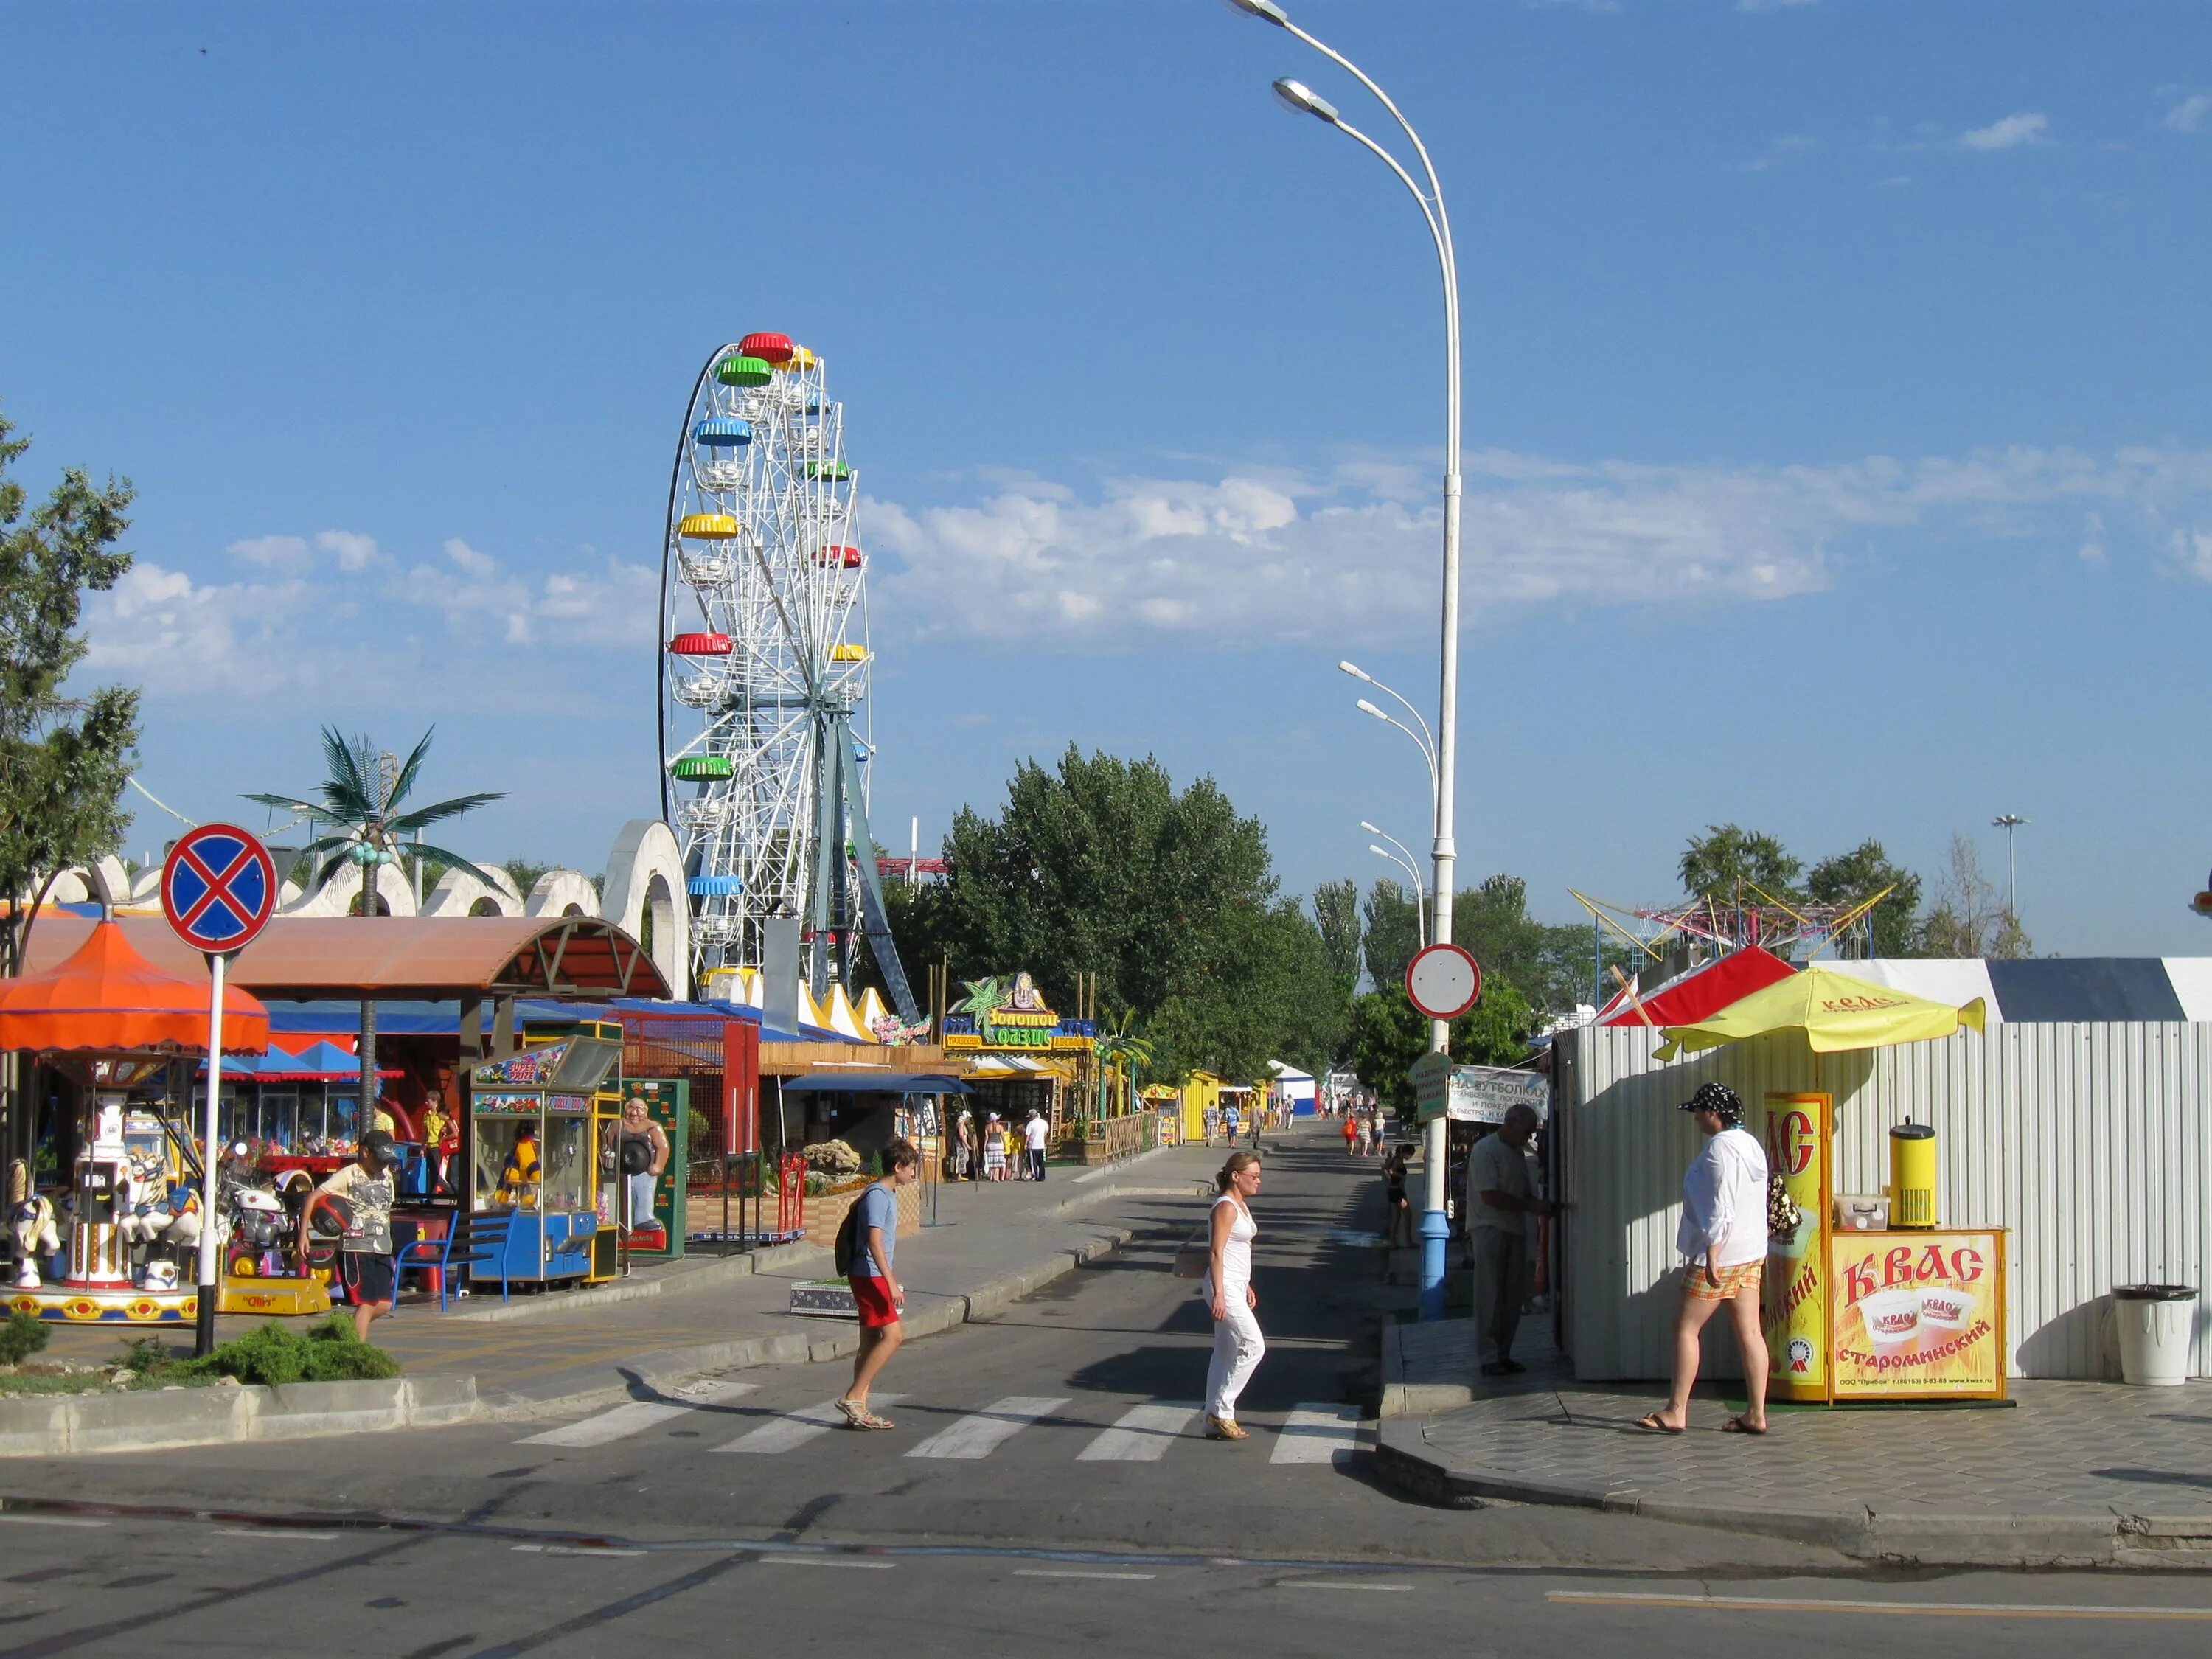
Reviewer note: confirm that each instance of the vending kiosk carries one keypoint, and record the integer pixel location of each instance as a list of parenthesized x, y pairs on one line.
[(535, 1121), (1868, 1297)]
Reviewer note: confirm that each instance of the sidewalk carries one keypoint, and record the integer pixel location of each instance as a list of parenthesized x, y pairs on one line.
[(2073, 1473), (990, 1244)]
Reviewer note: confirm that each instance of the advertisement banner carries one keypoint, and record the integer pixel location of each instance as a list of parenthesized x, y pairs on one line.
[(1795, 1304), (1919, 1314)]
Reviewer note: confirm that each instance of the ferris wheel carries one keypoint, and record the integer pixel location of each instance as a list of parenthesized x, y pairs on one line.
[(763, 670)]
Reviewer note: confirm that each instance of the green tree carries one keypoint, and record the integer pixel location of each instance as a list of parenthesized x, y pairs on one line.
[(1102, 865), (1392, 932), (1854, 877), (1727, 860), (1388, 1034), (1336, 914), (64, 760), (360, 811)]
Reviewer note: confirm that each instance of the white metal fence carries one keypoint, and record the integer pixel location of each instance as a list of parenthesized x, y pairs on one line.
[(2087, 1141)]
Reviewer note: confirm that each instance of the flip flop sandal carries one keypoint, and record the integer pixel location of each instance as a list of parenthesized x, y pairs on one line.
[(859, 1417), (1225, 1428), (1652, 1421), (1737, 1425)]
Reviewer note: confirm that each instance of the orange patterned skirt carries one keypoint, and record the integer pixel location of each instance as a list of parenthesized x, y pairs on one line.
[(1745, 1275)]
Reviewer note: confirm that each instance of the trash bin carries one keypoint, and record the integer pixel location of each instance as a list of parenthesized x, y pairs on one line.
[(2156, 1323)]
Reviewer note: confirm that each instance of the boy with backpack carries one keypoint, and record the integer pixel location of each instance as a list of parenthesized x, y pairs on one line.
[(866, 1241)]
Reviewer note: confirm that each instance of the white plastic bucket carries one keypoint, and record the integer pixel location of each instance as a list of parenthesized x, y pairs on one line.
[(2156, 1322)]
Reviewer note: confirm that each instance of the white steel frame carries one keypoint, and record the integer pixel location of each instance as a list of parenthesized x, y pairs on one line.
[(795, 621)]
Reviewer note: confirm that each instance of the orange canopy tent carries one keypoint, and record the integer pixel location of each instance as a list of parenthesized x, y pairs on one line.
[(106, 997)]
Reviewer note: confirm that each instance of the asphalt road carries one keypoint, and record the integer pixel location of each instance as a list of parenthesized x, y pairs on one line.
[(1045, 1487)]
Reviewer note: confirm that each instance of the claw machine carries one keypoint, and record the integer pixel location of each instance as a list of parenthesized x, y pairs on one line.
[(535, 1120)]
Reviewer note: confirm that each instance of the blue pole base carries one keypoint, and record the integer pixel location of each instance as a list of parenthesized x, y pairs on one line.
[(1435, 1232)]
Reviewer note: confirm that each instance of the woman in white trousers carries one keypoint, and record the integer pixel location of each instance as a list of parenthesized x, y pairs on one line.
[(1238, 1346)]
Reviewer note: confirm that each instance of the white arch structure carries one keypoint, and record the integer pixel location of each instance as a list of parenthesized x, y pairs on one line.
[(644, 877)]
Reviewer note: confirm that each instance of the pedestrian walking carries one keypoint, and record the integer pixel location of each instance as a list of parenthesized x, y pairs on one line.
[(1034, 1135), (1238, 1346), (1724, 1237), (1210, 1119), (1397, 1209), (362, 1194), (1350, 1133), (879, 1299), (995, 1149), (1502, 1197), (1232, 1120)]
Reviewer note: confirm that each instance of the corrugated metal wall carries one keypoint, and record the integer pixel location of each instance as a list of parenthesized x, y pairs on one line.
[(2087, 1141)]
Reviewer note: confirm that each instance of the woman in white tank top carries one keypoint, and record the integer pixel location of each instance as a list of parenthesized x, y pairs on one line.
[(1238, 1346)]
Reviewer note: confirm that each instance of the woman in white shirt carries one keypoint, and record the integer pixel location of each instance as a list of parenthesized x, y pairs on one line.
[(1723, 1235), (1238, 1346)]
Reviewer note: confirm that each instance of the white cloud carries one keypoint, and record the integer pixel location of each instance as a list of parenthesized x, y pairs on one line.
[(1351, 554), (290, 553), (2192, 553), (2025, 128), (2092, 551), (272, 552), (2189, 115), (353, 552)]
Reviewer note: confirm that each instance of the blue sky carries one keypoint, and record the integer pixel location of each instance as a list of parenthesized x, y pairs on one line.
[(1838, 453)]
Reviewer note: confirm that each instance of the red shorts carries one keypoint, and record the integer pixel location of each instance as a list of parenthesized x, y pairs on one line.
[(872, 1296)]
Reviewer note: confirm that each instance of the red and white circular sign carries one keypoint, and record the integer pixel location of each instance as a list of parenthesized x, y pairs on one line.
[(1443, 981)]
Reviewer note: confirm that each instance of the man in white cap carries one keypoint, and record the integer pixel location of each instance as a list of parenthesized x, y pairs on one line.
[(1033, 1138)]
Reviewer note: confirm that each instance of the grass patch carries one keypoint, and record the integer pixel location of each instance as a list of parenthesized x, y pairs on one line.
[(270, 1356)]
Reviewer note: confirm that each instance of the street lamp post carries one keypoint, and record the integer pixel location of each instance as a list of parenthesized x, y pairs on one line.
[(1434, 1228), (1403, 858), (2010, 822)]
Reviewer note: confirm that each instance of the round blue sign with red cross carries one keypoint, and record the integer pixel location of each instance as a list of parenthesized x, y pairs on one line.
[(218, 888)]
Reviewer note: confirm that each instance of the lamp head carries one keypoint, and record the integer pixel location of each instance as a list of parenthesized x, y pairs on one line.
[(1368, 827), (1367, 708), (1356, 671), (1377, 851), (1298, 96), (1266, 10)]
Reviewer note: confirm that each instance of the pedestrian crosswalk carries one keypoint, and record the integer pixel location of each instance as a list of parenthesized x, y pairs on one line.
[(639, 1415), (1312, 1432)]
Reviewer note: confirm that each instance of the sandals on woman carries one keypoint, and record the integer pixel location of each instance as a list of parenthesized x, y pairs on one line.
[(1658, 1425), (1741, 1424), (858, 1416), (1225, 1428)]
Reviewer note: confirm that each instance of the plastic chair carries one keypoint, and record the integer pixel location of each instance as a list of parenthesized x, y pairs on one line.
[(471, 1242)]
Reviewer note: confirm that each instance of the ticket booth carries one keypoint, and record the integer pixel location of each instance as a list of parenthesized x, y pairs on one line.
[(1859, 1304), (535, 1121)]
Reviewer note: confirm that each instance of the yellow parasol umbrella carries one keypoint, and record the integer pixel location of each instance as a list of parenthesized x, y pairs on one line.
[(1833, 1010)]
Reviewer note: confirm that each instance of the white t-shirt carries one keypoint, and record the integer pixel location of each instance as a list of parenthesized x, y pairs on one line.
[(1034, 1133), (1724, 1201)]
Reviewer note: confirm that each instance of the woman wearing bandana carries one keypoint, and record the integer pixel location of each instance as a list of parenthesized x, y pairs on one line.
[(1723, 1235)]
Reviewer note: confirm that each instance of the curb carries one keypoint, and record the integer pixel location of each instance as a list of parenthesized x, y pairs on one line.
[(607, 1295), (1400, 1398), (2101, 1539), (156, 1419)]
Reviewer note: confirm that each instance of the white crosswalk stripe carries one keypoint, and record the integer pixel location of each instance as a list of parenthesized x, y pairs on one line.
[(1142, 1433), (1317, 1433), (639, 1415), (795, 1429), (981, 1433)]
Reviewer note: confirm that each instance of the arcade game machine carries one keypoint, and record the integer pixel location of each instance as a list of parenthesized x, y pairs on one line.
[(535, 1120)]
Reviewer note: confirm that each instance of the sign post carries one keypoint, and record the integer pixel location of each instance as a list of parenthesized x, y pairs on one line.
[(1443, 981), (218, 888)]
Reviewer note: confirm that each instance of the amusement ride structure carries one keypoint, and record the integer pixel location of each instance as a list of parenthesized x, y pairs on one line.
[(763, 673)]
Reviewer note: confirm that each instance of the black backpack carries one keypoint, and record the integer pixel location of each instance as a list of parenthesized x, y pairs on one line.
[(846, 1249)]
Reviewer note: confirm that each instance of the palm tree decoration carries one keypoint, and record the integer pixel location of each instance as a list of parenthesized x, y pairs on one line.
[(983, 995), (1119, 1048), (361, 812)]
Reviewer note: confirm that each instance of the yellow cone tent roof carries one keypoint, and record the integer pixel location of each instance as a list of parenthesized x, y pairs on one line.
[(1833, 1010)]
